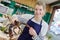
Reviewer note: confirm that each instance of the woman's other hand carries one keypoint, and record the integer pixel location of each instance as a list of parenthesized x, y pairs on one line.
[(32, 32)]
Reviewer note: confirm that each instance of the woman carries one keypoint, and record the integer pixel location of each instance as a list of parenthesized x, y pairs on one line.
[(37, 27)]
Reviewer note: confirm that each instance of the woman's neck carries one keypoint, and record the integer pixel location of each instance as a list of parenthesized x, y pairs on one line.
[(38, 19)]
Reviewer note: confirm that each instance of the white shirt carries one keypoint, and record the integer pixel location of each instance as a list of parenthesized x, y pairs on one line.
[(43, 32)]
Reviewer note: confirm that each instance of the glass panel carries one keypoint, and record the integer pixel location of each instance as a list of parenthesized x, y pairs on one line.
[(55, 26)]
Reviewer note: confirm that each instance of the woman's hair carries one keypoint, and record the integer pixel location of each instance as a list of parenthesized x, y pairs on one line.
[(41, 3)]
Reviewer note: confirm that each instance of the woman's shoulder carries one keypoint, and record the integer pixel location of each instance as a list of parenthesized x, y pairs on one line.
[(44, 23), (44, 28)]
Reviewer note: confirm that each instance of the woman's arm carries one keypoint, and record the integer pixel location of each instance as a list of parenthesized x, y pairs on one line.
[(22, 20)]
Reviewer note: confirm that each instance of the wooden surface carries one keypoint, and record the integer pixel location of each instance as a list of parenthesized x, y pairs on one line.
[(30, 3)]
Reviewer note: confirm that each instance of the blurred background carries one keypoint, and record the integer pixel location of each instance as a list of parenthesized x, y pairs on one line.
[(25, 9)]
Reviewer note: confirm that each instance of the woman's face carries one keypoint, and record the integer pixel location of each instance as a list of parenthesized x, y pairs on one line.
[(39, 11)]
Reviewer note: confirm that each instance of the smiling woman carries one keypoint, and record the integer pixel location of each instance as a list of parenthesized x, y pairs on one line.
[(37, 26)]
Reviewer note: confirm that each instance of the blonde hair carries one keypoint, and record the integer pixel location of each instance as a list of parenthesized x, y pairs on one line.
[(41, 3)]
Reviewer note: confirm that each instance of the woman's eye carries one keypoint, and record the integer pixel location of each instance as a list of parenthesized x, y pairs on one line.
[(36, 9), (40, 9)]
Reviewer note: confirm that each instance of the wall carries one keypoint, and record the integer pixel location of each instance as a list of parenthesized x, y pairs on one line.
[(30, 3), (0, 0), (49, 8)]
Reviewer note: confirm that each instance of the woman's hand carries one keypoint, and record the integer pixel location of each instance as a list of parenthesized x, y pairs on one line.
[(32, 32)]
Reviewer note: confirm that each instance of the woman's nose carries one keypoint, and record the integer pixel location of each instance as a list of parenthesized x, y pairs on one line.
[(38, 11)]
